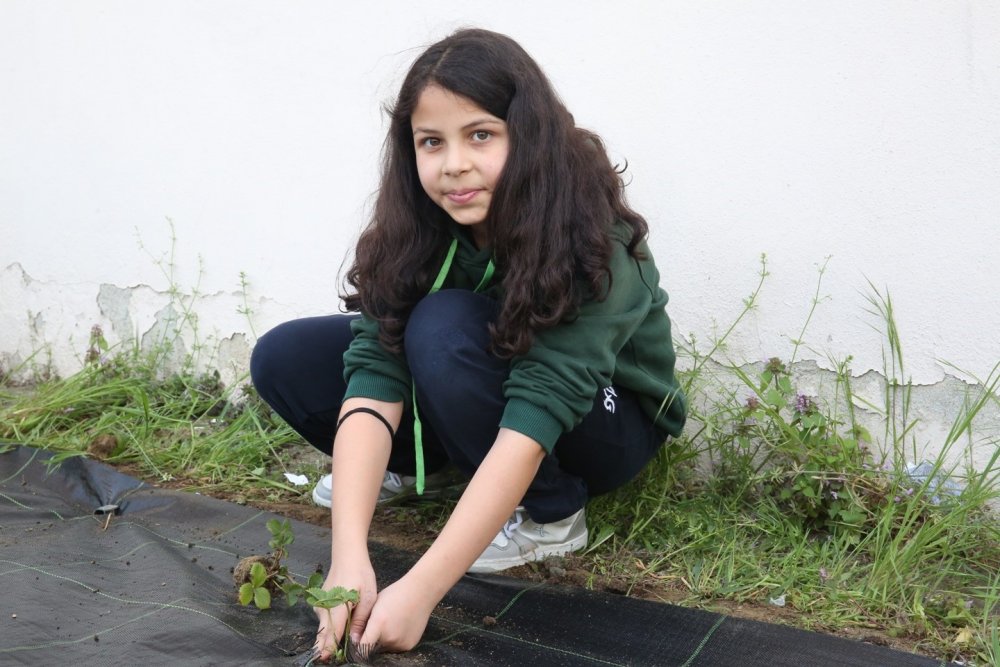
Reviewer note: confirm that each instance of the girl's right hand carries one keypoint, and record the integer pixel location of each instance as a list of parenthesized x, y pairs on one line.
[(360, 576)]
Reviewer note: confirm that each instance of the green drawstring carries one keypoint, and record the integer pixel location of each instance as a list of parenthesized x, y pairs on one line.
[(445, 267), (487, 275), (418, 431)]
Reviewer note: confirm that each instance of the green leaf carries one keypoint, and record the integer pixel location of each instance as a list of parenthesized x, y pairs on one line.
[(258, 575), (246, 594), (315, 580), (774, 398), (313, 595), (274, 526), (317, 597), (851, 517), (603, 535), (262, 598)]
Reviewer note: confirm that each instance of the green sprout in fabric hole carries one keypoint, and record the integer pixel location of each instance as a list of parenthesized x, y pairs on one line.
[(260, 578)]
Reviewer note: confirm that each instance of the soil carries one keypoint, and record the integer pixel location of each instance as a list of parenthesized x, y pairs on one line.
[(398, 527)]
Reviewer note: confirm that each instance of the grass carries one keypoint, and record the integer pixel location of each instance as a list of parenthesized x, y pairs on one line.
[(802, 505), (186, 429)]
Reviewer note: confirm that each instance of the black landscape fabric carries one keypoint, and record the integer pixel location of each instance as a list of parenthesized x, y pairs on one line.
[(152, 585)]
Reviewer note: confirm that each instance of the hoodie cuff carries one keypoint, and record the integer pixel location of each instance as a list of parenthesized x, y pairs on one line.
[(533, 421), (364, 384)]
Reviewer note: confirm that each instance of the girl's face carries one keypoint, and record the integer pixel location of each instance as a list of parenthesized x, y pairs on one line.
[(461, 150)]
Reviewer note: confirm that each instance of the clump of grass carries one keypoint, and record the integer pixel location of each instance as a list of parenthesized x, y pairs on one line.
[(185, 427), (802, 505)]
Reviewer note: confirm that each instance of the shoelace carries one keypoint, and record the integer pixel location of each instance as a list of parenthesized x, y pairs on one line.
[(394, 479), (515, 520)]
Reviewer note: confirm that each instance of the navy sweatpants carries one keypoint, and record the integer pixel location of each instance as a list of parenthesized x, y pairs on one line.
[(297, 368)]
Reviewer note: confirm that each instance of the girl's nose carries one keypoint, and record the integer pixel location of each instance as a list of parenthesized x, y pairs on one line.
[(456, 162)]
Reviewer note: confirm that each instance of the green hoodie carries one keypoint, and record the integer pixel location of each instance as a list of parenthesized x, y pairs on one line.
[(622, 339)]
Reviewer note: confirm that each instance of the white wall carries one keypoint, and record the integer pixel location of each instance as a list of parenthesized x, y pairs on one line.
[(865, 131)]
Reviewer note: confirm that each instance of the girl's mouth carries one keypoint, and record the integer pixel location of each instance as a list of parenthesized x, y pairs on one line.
[(461, 196)]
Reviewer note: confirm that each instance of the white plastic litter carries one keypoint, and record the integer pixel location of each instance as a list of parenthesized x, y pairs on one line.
[(937, 482), (778, 601), (297, 480)]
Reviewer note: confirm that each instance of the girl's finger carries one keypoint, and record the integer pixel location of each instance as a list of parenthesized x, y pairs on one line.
[(359, 617), (370, 637), (331, 630), (324, 643)]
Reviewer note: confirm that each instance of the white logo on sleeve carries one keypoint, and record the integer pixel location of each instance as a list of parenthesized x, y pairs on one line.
[(609, 399)]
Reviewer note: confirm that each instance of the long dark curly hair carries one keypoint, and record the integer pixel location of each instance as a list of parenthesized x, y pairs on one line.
[(550, 214)]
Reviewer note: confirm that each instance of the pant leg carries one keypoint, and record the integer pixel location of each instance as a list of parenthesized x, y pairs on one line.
[(459, 386), (298, 369), (612, 444), (607, 449)]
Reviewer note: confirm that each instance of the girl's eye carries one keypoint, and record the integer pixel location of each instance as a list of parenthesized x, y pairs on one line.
[(430, 142), (481, 135)]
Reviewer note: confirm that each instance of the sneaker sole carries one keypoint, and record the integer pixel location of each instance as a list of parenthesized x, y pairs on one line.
[(320, 500), (500, 564)]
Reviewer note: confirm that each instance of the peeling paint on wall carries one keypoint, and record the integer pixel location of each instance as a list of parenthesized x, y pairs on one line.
[(49, 324), (114, 303), (234, 358), (164, 339), (927, 414)]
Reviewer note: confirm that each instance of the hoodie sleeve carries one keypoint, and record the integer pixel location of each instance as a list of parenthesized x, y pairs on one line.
[(552, 387), (370, 370)]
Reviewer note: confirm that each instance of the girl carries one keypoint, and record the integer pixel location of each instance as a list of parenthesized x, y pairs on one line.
[(511, 325)]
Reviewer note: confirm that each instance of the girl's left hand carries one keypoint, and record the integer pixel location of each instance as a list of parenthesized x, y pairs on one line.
[(399, 617)]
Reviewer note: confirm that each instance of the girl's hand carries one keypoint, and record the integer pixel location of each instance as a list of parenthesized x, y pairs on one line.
[(402, 610), (332, 621), (399, 617)]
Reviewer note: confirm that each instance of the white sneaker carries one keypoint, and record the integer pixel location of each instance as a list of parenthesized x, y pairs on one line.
[(397, 487), (521, 541)]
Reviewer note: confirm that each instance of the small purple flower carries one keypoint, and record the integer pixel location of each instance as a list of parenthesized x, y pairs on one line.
[(909, 492), (804, 405), (823, 576), (896, 499)]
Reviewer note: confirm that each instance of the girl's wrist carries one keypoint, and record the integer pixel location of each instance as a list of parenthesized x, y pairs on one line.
[(426, 590), (432, 579), (348, 551)]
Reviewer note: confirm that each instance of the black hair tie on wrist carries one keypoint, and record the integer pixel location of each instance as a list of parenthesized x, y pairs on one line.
[(372, 412)]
